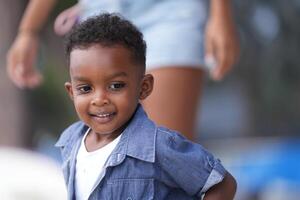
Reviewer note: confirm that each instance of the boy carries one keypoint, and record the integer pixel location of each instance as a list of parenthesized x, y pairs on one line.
[(115, 151)]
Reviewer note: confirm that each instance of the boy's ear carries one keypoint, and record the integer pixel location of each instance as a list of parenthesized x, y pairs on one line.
[(68, 87), (147, 86)]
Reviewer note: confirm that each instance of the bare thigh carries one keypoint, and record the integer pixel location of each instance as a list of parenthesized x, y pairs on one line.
[(175, 97)]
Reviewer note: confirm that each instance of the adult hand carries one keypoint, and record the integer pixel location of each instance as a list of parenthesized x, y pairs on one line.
[(221, 43), (66, 20), (20, 61)]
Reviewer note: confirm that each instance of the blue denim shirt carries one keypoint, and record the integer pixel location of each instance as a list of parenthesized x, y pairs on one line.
[(149, 162)]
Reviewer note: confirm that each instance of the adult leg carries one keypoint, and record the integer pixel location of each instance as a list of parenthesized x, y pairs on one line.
[(175, 97)]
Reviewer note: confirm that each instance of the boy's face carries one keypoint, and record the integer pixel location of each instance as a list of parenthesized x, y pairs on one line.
[(106, 86)]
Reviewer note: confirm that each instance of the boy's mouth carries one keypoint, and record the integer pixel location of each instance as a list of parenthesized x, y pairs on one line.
[(103, 117)]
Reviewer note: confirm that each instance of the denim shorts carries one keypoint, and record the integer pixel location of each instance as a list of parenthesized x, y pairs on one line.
[(172, 29)]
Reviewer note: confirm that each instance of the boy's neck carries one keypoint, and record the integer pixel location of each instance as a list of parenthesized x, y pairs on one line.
[(94, 141)]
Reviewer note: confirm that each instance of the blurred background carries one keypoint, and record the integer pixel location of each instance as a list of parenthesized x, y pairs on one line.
[(250, 120)]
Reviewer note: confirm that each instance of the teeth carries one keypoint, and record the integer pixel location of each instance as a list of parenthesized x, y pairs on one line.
[(103, 115)]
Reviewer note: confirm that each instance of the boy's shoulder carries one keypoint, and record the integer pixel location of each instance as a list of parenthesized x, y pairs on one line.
[(171, 145), (71, 133), (168, 140), (166, 136)]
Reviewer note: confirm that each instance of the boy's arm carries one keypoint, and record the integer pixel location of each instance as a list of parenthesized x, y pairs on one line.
[(22, 54), (224, 190)]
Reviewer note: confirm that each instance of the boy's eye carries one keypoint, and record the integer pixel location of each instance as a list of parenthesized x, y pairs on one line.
[(84, 89), (116, 86)]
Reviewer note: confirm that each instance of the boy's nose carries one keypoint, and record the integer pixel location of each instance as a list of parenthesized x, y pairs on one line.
[(100, 99)]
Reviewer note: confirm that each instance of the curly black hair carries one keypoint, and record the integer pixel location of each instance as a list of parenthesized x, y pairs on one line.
[(108, 29)]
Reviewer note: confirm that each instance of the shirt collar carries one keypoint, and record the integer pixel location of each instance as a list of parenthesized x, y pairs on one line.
[(71, 134), (138, 139)]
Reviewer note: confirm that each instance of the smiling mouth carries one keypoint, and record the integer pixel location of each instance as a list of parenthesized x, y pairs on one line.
[(103, 117)]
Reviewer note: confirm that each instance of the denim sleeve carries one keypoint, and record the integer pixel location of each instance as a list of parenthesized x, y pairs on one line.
[(187, 165)]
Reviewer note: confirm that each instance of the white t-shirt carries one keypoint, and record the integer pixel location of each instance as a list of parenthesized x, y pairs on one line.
[(89, 166)]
